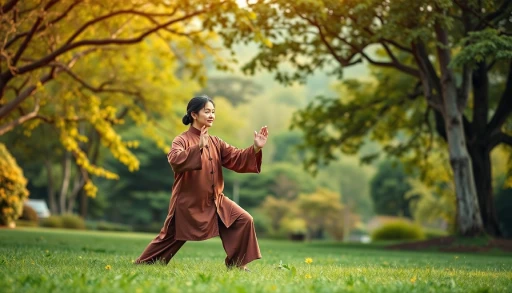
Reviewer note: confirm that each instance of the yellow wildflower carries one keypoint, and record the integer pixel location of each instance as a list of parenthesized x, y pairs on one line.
[(309, 260), (108, 267), (413, 279), (307, 276)]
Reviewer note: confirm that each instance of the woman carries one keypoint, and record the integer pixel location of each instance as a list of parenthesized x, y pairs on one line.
[(198, 209)]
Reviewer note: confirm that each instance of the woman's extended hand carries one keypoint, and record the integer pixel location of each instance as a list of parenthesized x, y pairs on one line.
[(203, 137), (260, 139)]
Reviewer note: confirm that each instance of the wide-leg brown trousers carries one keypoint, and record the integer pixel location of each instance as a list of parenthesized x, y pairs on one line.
[(239, 242)]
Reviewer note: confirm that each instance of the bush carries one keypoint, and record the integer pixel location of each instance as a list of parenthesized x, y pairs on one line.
[(13, 189), (52, 222), (106, 226), (72, 221), (29, 214), (435, 233), (398, 230)]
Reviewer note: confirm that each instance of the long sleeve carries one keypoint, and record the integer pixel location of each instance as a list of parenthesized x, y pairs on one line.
[(240, 160), (184, 159)]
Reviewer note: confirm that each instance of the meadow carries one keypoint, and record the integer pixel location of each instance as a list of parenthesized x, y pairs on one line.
[(52, 260)]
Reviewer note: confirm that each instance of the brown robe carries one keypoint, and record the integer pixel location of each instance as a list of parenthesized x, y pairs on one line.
[(198, 209)]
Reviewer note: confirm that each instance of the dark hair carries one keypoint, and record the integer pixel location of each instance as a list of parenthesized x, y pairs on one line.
[(194, 106)]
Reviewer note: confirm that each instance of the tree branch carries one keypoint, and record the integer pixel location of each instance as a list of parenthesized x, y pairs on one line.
[(29, 36), (504, 108), (10, 126), (499, 138), (484, 22), (395, 63), (99, 89), (6, 109), (103, 42), (8, 6), (42, 28), (428, 76), (499, 13)]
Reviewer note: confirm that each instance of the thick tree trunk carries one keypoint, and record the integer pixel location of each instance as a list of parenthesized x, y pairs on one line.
[(479, 149), (469, 221), (482, 171)]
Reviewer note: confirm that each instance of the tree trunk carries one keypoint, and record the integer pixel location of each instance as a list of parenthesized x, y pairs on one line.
[(469, 221), (78, 184), (51, 185), (66, 174), (480, 149), (483, 180)]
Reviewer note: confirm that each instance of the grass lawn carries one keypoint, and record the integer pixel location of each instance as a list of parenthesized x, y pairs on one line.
[(49, 260)]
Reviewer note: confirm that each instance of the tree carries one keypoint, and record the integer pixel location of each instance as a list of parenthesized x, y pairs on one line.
[(448, 49), (388, 190), (320, 210), (86, 67)]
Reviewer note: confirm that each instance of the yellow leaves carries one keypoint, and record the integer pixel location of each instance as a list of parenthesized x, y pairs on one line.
[(12, 188), (90, 189), (268, 43)]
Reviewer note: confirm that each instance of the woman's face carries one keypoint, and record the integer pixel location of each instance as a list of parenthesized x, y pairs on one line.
[(205, 116)]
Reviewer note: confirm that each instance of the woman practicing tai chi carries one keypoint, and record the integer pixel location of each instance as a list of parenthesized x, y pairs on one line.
[(198, 209)]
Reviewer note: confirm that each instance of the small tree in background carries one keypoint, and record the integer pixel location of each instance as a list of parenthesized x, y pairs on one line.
[(12, 188)]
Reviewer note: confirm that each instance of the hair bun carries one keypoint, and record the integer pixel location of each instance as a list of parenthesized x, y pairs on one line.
[(186, 119)]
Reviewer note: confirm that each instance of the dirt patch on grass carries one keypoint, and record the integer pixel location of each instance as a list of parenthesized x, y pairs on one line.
[(454, 244)]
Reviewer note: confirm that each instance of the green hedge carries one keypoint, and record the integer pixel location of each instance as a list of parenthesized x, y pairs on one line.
[(398, 230), (68, 221), (52, 222)]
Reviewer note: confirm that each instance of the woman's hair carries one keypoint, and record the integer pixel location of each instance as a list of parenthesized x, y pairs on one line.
[(194, 106)]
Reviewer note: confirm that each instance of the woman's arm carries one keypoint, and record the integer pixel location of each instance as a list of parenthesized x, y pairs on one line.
[(184, 159)]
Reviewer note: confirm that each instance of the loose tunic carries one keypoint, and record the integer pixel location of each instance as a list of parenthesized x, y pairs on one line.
[(197, 196)]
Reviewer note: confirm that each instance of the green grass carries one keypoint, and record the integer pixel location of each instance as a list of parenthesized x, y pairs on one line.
[(49, 260)]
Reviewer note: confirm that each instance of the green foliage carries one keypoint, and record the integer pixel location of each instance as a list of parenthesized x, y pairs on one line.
[(398, 230), (481, 45), (13, 190), (52, 222), (72, 221), (29, 214), (388, 190)]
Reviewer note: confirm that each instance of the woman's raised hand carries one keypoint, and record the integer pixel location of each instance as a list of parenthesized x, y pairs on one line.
[(260, 139)]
